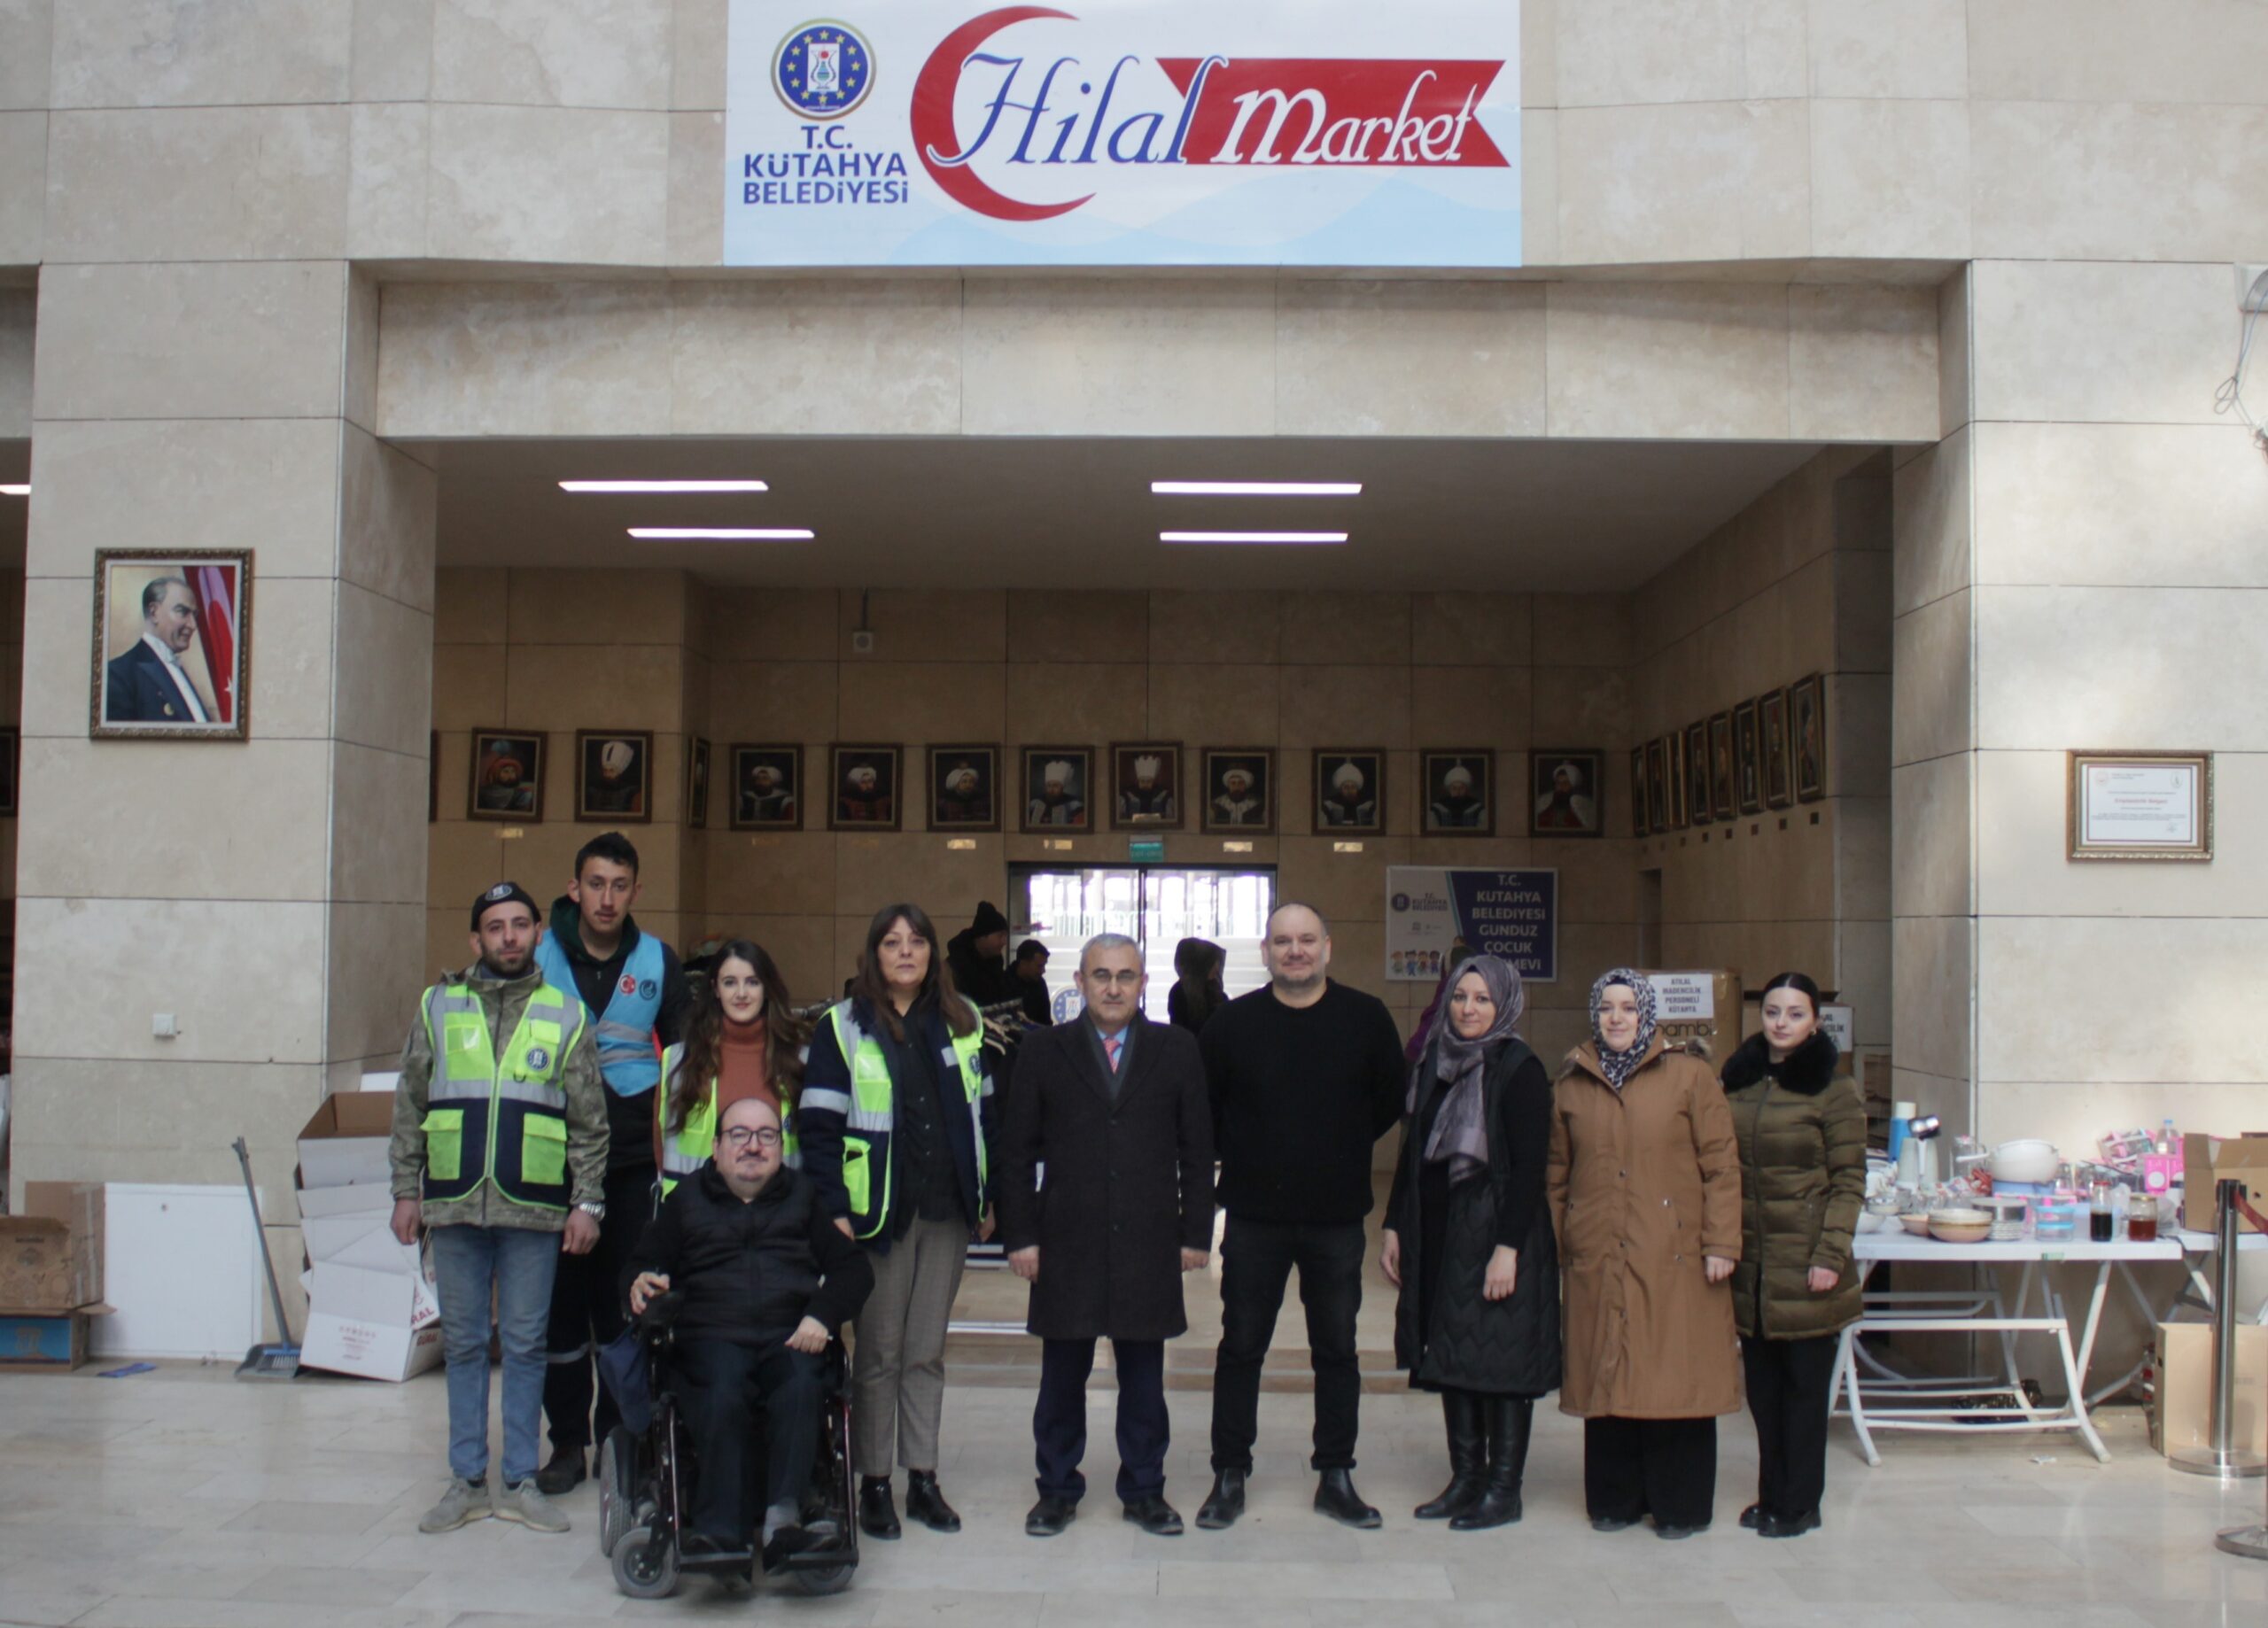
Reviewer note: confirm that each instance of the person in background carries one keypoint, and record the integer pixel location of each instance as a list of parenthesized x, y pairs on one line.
[(504, 1184), (1801, 1128), (741, 1040), (973, 957), (1304, 1075), (1468, 1242), (1029, 969), (1113, 1107), (1644, 1189), (635, 996), (896, 1124), (1197, 992)]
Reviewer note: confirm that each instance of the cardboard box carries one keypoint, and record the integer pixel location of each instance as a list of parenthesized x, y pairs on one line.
[(1697, 1005), (2209, 1161), (371, 1325), (363, 1198), (2181, 1413), (46, 1342), (362, 1241), (345, 1144), (52, 1252)]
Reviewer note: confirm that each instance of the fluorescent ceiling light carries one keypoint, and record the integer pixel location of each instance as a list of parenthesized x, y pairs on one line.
[(1252, 536), (1256, 488), (662, 486), (14, 491), (721, 534)]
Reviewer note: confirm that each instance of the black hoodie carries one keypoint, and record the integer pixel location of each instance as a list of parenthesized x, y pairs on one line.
[(630, 1119)]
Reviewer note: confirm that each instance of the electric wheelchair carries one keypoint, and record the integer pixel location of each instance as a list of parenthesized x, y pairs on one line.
[(646, 1479)]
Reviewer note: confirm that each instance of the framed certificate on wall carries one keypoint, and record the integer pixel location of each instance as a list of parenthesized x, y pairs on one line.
[(2140, 805)]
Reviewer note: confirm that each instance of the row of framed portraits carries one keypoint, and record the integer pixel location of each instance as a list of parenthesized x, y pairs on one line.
[(1057, 789), (1768, 752)]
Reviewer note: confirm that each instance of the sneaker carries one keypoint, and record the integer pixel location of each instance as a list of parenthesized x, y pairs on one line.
[(526, 1504), (465, 1501)]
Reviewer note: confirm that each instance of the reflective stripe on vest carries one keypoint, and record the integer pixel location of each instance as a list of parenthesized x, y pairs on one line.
[(870, 1113), (685, 1152), (625, 1030), (503, 1122)]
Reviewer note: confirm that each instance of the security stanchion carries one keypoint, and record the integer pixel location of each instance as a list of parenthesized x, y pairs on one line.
[(2222, 1457), (2249, 1541)]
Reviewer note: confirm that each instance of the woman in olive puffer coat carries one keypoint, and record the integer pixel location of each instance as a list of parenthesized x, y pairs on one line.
[(1801, 1128)]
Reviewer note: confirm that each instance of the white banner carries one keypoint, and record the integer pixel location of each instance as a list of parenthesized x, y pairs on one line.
[(1125, 133)]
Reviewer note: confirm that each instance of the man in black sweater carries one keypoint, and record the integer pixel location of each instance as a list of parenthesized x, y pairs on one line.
[(1304, 1075)]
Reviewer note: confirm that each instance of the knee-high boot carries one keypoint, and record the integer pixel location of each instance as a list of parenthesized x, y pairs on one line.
[(1461, 1412), (1509, 1420)]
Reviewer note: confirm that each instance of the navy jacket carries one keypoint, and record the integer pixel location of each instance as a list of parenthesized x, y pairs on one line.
[(137, 690)]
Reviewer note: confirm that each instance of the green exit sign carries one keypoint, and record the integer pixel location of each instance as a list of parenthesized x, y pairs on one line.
[(1146, 853)]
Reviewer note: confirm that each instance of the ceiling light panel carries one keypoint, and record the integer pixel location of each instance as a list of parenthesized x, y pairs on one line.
[(586, 487), (720, 534), (1256, 488), (1252, 536)]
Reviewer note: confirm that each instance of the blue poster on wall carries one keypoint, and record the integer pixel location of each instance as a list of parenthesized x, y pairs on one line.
[(1430, 909)]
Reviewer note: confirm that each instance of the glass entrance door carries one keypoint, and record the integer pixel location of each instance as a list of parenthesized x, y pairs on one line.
[(1157, 907)]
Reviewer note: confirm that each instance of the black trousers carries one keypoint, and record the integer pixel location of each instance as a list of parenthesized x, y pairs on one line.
[(723, 1385), (586, 1312), (1256, 1261), (1664, 1468), (1059, 1421), (1788, 1383)]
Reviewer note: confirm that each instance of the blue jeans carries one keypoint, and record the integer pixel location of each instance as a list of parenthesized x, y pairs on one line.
[(520, 1264)]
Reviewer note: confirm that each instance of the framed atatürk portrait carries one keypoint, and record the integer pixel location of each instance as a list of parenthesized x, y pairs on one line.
[(1639, 806), (1697, 774), (1748, 759), (1145, 784), (1057, 783), (767, 787), (1566, 794), (696, 784), (1239, 790), (614, 775), (1350, 791), (1658, 785), (1721, 778), (863, 787), (2140, 805), (506, 782), (172, 645), (1681, 814), (1772, 720), (1808, 723), (965, 787), (1459, 786)]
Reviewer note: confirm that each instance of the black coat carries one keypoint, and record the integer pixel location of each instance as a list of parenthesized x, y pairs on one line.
[(1508, 1347), (137, 689), (1129, 1179), (751, 1270)]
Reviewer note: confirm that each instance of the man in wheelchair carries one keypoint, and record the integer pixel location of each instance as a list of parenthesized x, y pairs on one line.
[(765, 1279)]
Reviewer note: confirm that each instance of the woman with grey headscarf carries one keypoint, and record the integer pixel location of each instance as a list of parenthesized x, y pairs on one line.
[(1469, 1242), (1644, 1189)]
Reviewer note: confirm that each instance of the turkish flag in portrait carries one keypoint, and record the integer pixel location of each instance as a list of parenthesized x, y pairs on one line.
[(216, 632)]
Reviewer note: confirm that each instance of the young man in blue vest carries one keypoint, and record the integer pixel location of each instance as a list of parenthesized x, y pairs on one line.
[(499, 1150), (635, 998)]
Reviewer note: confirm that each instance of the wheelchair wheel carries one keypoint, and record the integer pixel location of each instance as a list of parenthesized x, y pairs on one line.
[(645, 1564), (833, 1580), (617, 1487)]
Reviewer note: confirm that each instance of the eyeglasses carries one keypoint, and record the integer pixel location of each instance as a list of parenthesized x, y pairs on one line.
[(1125, 979), (740, 1136)]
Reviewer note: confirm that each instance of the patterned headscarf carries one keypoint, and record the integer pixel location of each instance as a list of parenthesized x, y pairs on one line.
[(1460, 1134), (1620, 1066)]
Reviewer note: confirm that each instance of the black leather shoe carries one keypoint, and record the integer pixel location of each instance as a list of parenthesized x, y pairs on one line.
[(924, 1503), (1499, 1504), (1050, 1516), (1155, 1517), (1224, 1503), (1336, 1497), (1778, 1526), (1752, 1517), (808, 1545), (562, 1473), (1610, 1523), (1462, 1412), (877, 1513), (1674, 1533)]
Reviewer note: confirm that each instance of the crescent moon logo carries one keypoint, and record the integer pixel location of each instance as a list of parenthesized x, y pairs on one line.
[(932, 120)]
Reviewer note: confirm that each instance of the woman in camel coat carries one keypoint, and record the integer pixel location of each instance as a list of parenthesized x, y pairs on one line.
[(1644, 1188)]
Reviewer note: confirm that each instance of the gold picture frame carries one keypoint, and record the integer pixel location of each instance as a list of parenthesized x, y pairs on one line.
[(2145, 805)]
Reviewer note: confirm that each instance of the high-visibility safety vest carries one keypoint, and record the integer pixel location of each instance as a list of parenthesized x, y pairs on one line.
[(868, 1166), (625, 1028), (503, 1123), (689, 1149)]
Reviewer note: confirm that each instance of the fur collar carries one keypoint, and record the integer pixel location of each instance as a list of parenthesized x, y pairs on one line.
[(1807, 1071)]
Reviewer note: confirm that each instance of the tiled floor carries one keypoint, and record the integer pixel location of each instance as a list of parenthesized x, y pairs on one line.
[(179, 1498)]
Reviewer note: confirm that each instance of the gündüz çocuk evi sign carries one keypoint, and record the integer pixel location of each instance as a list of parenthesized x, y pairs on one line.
[(1125, 133)]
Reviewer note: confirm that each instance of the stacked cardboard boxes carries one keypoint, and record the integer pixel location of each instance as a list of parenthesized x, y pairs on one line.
[(371, 1310), (50, 1277)]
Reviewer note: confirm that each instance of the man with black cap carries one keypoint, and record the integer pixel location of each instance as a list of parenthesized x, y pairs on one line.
[(499, 1148), (973, 955)]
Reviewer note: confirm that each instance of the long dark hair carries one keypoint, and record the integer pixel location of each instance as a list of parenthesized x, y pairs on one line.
[(1799, 982), (869, 986), (704, 1034)]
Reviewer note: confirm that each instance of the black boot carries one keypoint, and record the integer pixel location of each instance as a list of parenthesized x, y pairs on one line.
[(1336, 1497), (1509, 1419), (877, 1513), (1224, 1503), (924, 1503), (1468, 1458)]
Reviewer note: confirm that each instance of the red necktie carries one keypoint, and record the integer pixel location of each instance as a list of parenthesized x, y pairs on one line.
[(1110, 1049)]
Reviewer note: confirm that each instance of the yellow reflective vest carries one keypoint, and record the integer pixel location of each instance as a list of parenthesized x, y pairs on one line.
[(500, 1123)]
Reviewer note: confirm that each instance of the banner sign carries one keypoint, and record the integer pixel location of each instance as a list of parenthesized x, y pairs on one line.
[(1514, 914), (1125, 133)]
